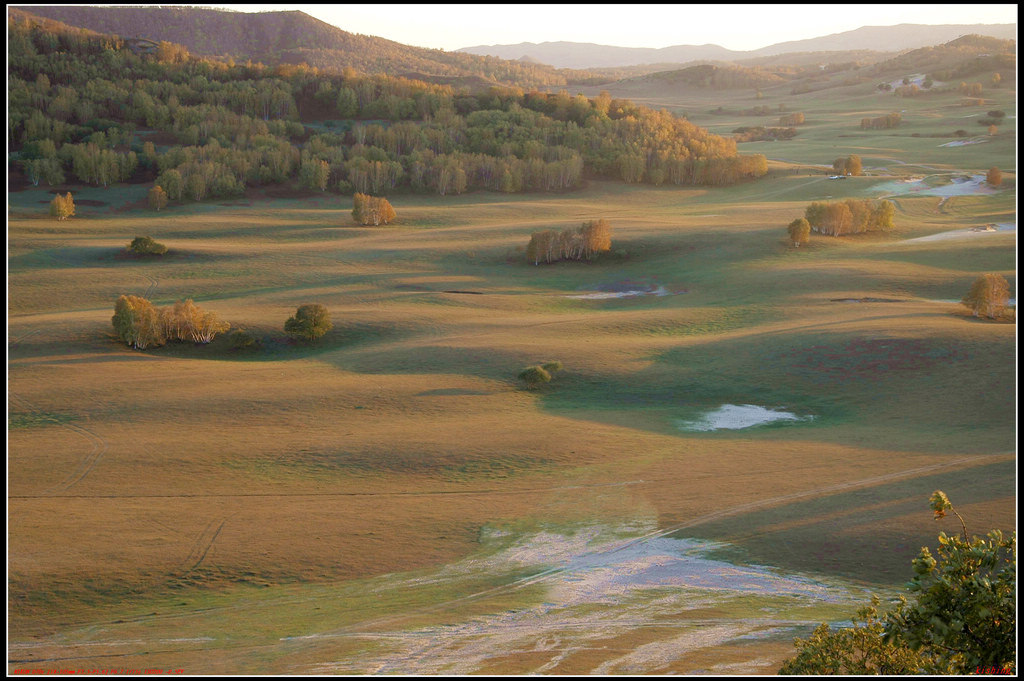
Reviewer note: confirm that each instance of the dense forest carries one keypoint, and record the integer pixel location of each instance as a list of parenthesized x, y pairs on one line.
[(99, 109)]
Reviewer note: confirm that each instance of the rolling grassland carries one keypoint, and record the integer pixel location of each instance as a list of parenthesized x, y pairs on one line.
[(391, 500)]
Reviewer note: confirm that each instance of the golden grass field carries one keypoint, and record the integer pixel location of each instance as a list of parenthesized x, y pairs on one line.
[(306, 507)]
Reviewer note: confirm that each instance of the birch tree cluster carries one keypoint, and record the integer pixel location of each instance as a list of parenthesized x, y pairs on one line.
[(372, 210), (581, 243), (63, 206), (140, 324), (852, 216)]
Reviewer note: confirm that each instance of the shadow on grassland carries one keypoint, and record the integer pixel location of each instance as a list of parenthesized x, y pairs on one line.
[(938, 394), (870, 534), (100, 256)]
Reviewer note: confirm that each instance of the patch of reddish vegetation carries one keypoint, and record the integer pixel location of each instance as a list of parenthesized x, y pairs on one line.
[(872, 358)]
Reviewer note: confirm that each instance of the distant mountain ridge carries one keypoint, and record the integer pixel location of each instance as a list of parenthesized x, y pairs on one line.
[(875, 38), (285, 37)]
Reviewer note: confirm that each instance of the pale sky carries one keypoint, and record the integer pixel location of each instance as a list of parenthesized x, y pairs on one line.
[(733, 26)]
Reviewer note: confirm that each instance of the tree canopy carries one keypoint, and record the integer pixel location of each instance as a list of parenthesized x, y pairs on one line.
[(77, 101), (137, 322), (848, 165), (311, 321), (581, 243), (144, 245), (799, 231), (140, 324), (372, 210), (988, 296), (62, 207), (852, 216), (960, 617)]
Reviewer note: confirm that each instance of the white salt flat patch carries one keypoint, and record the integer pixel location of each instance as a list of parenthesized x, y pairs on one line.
[(975, 185), (735, 417), (1001, 228), (960, 143), (602, 295)]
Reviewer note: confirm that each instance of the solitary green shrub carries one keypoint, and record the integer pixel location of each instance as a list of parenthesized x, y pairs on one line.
[(311, 321), (534, 376), (144, 245)]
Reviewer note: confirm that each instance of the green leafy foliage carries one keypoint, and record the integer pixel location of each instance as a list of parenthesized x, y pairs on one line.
[(144, 245), (859, 649), (960, 619), (76, 100), (311, 321), (534, 376), (964, 615), (137, 322)]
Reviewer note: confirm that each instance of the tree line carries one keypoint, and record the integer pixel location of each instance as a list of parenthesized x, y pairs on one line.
[(891, 120), (81, 106), (852, 216)]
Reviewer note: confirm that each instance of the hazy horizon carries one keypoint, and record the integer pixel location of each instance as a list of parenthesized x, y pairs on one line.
[(747, 27)]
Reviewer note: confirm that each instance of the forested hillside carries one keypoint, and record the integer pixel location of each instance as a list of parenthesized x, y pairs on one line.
[(293, 37), (99, 109)]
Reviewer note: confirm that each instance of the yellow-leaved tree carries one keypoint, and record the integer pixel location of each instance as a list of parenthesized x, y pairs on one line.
[(62, 207), (988, 296)]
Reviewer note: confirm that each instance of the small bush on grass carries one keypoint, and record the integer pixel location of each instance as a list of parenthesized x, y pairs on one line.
[(144, 245), (538, 374)]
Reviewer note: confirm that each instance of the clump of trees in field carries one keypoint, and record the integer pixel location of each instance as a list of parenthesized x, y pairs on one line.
[(144, 245), (852, 216), (311, 321), (799, 231), (886, 122), (140, 324), (960, 619), (571, 244), (988, 297), (848, 165), (371, 210), (791, 119), (538, 374), (62, 207)]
